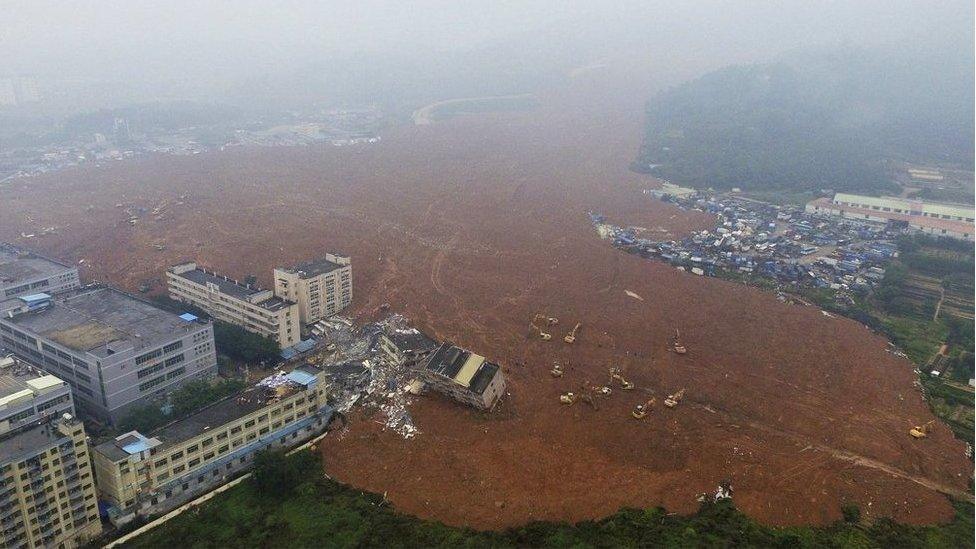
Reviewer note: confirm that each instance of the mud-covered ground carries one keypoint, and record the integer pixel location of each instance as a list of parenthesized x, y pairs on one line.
[(471, 226)]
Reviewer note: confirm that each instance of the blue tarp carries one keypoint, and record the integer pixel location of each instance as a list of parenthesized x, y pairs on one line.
[(188, 317)]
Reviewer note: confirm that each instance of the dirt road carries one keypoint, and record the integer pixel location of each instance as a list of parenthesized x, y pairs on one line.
[(470, 227)]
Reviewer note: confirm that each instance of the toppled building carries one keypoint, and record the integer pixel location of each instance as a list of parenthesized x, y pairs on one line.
[(115, 350), (25, 273), (140, 475), (250, 307), (322, 288), (463, 376), (406, 346), (47, 493)]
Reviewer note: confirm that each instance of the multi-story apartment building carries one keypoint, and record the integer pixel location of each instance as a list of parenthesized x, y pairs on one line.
[(140, 475), (116, 351), (47, 493), (25, 273), (252, 308), (406, 346), (463, 376), (321, 288)]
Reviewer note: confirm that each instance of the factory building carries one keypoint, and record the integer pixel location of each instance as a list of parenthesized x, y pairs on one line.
[(940, 220), (25, 273), (140, 475), (114, 350), (321, 288), (464, 376), (47, 493), (256, 310)]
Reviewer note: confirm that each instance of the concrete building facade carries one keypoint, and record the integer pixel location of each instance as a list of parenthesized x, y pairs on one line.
[(940, 220), (47, 492), (254, 309), (140, 475), (321, 288), (24, 273), (116, 351), (464, 376)]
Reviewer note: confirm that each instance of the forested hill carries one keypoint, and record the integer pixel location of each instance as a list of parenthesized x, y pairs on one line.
[(817, 120)]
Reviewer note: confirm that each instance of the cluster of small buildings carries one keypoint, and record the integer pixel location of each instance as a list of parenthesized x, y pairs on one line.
[(787, 246), (64, 344)]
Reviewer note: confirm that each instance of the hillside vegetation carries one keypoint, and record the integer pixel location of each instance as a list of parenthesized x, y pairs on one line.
[(817, 120)]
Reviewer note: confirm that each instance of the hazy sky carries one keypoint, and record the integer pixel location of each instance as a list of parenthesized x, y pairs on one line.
[(208, 41)]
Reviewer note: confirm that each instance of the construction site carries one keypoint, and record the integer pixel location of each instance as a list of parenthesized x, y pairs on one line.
[(629, 383)]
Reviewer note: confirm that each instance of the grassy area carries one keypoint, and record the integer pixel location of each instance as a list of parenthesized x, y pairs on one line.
[(309, 510), (187, 399)]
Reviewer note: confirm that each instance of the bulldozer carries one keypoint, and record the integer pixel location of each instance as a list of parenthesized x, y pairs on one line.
[(615, 376), (676, 344), (920, 431), (571, 336), (548, 321), (674, 399), (641, 410)]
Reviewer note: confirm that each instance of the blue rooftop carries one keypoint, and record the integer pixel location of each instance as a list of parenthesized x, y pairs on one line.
[(188, 317)]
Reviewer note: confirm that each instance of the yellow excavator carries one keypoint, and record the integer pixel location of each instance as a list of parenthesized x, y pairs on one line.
[(557, 369), (548, 321), (641, 410), (921, 431), (567, 398), (571, 336), (615, 376), (674, 399), (676, 344)]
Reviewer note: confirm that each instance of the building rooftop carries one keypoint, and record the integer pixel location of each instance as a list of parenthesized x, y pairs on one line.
[(464, 367), (18, 266), (233, 288), (411, 341), (103, 321), (316, 267), (30, 441), (20, 378)]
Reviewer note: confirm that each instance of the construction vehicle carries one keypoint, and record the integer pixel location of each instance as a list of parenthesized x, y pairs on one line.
[(676, 344), (615, 376), (548, 320), (557, 370), (674, 399), (571, 336), (567, 398), (921, 431), (642, 410)]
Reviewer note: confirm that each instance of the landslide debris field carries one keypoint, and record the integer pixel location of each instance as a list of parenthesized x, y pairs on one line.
[(471, 226)]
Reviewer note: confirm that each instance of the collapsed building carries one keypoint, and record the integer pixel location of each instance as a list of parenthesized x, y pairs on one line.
[(463, 376)]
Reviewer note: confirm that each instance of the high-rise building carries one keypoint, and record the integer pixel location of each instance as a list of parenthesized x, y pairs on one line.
[(116, 351), (47, 492), (245, 305), (321, 288)]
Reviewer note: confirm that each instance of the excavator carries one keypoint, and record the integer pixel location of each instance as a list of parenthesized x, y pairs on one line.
[(674, 399), (921, 431), (676, 344), (557, 369), (642, 410), (548, 320), (568, 398), (615, 376), (571, 336)]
